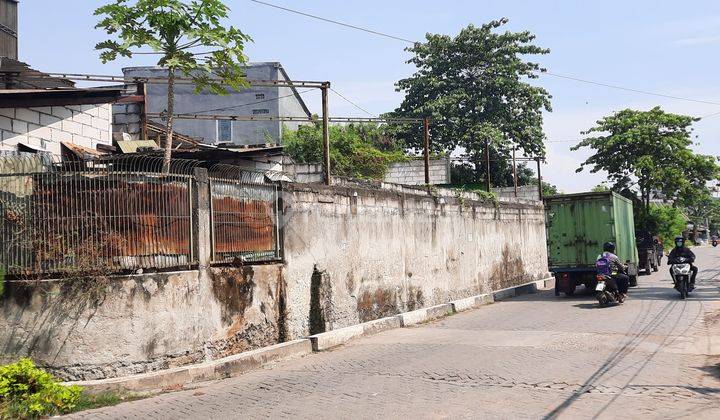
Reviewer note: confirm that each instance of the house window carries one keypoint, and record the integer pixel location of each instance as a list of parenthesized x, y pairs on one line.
[(260, 111), (224, 131), (259, 96)]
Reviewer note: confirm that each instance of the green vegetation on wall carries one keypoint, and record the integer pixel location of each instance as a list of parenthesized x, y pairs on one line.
[(356, 150)]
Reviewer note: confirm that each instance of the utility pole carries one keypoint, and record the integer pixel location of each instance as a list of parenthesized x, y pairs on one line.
[(326, 134), (426, 151), (487, 165), (515, 180), (540, 191)]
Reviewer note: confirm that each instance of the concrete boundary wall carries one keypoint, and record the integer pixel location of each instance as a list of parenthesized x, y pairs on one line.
[(352, 254), (187, 376)]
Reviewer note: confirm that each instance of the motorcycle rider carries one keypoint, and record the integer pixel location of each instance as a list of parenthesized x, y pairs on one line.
[(681, 250), (618, 269)]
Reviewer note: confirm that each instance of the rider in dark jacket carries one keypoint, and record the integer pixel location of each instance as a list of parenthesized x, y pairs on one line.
[(618, 268), (681, 250)]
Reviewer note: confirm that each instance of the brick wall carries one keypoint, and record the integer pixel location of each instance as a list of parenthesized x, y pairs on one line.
[(126, 119), (413, 172), (527, 192), (46, 127), (405, 173)]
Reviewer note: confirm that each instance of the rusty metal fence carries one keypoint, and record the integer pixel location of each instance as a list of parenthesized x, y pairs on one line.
[(244, 215), (88, 216)]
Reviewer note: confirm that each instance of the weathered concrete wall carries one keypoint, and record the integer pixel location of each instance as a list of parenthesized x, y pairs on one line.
[(91, 329), (353, 252), (356, 254)]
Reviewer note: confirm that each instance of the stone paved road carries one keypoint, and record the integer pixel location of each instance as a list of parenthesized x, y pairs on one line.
[(530, 357)]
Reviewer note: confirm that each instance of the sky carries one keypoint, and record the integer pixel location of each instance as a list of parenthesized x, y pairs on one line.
[(661, 46)]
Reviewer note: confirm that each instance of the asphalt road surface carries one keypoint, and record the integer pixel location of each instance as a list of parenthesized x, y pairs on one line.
[(535, 356)]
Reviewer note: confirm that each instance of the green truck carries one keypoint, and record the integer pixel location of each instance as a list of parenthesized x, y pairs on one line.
[(577, 227)]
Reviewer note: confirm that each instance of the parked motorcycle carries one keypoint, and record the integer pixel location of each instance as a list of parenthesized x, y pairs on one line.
[(681, 272), (607, 292)]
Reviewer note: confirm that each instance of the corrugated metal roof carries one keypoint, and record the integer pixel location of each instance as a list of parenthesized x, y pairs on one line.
[(132, 146)]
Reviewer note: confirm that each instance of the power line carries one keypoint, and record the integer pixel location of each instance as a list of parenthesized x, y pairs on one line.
[(347, 25), (577, 79), (352, 103), (251, 103), (644, 92)]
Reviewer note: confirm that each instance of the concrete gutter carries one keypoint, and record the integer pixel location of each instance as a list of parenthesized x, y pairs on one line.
[(235, 365), (178, 377)]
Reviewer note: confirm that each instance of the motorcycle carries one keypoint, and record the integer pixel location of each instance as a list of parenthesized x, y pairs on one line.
[(681, 272), (714, 242), (606, 291)]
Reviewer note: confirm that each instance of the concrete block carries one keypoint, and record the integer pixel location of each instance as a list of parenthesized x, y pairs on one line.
[(60, 136), (92, 110), (334, 338), (382, 324), (7, 112), (49, 121), (504, 294), (19, 127), (185, 375), (472, 302), (39, 131), (27, 115), (62, 112), (425, 314), (82, 118), (244, 362), (42, 109), (6, 123), (91, 132), (71, 127)]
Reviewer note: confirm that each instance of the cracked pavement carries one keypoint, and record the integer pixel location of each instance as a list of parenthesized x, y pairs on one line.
[(534, 356)]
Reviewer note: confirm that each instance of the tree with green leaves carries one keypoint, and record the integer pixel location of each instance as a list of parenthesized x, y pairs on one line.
[(648, 152), (187, 36), (475, 87), (600, 188)]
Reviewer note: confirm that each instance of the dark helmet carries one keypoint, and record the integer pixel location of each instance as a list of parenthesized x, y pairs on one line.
[(679, 241), (609, 247)]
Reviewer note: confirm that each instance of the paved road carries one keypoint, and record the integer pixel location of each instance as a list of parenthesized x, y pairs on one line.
[(530, 357)]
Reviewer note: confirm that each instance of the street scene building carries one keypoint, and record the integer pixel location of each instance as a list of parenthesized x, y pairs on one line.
[(422, 238)]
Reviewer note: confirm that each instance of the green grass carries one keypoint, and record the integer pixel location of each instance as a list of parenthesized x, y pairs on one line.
[(104, 399)]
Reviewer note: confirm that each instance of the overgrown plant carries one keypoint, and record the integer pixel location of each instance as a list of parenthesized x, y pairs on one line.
[(188, 36), (356, 150), (29, 392)]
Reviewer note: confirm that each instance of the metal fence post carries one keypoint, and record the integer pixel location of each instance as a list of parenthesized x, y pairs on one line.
[(202, 227)]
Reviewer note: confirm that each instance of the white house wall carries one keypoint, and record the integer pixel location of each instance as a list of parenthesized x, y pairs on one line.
[(46, 127)]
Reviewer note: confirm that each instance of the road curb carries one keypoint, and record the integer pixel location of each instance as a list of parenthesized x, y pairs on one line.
[(178, 377)]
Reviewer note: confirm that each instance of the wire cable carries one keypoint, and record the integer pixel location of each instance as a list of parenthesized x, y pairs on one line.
[(252, 103), (347, 25), (577, 79), (353, 103)]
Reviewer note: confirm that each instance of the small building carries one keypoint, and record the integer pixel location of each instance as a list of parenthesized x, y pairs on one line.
[(255, 100), (39, 113)]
